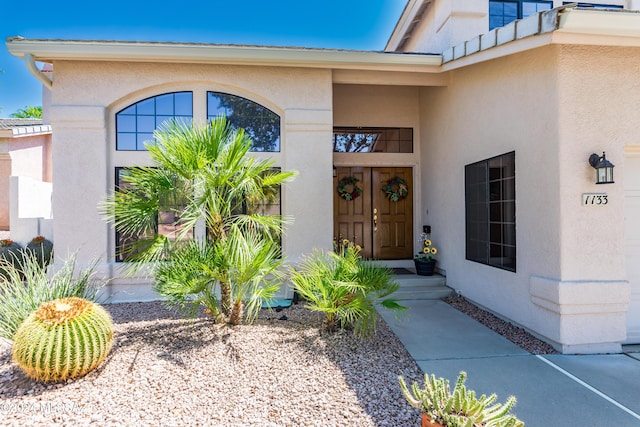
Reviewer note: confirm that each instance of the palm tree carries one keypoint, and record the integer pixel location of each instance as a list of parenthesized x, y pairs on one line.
[(28, 112), (203, 177)]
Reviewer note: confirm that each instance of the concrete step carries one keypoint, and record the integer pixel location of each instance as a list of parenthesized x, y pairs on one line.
[(414, 287)]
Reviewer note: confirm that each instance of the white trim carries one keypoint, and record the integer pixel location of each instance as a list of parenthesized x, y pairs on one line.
[(50, 50)]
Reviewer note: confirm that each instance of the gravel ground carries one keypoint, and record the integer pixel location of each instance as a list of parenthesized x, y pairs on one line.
[(513, 333), (169, 371)]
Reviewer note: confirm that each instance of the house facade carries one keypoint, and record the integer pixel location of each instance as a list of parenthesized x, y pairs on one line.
[(489, 126)]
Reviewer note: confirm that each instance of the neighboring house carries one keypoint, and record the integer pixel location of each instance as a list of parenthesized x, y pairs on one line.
[(492, 135), (25, 150)]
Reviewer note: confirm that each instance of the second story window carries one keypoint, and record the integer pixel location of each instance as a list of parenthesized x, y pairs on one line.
[(503, 12)]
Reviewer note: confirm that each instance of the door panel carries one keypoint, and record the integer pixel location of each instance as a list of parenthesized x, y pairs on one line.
[(393, 229), (383, 228), (352, 218)]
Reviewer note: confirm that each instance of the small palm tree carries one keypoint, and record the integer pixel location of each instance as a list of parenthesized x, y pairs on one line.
[(28, 112), (345, 288), (202, 176)]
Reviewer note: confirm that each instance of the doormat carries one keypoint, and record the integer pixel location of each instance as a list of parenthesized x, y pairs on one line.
[(402, 271)]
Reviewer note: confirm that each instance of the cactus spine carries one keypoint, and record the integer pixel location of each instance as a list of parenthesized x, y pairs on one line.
[(62, 339)]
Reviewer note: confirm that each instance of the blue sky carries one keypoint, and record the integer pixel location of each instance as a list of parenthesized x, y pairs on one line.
[(341, 24)]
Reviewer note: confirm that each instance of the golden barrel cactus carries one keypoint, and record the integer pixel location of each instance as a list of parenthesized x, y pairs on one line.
[(62, 339)]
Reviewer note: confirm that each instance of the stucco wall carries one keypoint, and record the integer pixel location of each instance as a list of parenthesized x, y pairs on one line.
[(554, 106), (86, 97), (28, 156)]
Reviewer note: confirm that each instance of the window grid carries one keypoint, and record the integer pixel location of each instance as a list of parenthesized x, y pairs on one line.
[(372, 140), (260, 124), (503, 12), (135, 124), (490, 212)]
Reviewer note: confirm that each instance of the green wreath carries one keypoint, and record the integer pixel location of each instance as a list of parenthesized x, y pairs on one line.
[(396, 189), (348, 188)]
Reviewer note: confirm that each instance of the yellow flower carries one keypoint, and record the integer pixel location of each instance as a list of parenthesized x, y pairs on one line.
[(345, 242), (426, 250), (434, 251), (427, 242), (358, 248)]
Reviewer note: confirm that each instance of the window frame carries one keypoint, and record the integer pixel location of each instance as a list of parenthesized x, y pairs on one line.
[(137, 117), (519, 7), (248, 130), (489, 213)]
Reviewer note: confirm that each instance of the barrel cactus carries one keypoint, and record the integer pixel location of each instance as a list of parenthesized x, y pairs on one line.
[(41, 249), (11, 253), (62, 339)]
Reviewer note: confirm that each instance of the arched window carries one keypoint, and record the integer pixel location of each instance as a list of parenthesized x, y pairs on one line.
[(136, 123), (260, 123)]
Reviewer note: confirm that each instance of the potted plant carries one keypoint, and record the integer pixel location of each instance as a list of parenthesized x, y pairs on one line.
[(442, 407), (424, 261)]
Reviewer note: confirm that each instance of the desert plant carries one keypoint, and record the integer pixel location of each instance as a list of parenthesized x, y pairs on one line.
[(201, 174), (345, 288), (41, 249), (26, 288), (11, 252), (460, 407), (64, 338), (245, 260)]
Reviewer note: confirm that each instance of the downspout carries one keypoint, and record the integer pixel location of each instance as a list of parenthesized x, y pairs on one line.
[(33, 69)]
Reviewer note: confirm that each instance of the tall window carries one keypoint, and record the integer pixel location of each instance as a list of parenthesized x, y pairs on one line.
[(490, 198), (503, 12), (136, 123), (260, 123), (128, 245)]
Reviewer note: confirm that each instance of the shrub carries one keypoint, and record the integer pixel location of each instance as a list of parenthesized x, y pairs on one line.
[(23, 290), (65, 338), (345, 288)]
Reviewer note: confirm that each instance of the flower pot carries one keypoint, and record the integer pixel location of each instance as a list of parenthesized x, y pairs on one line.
[(425, 268), (426, 420)]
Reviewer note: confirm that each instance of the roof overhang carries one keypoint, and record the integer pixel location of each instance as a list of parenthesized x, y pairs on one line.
[(158, 52), (24, 131), (563, 25)]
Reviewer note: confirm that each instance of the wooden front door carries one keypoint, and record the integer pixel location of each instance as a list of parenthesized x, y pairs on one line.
[(382, 227)]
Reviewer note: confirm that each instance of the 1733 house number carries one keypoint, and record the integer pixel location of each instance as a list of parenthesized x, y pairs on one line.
[(594, 199)]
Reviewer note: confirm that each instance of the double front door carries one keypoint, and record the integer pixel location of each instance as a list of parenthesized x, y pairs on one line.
[(381, 226)]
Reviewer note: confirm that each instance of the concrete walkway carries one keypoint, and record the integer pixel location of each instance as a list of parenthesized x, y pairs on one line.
[(552, 390)]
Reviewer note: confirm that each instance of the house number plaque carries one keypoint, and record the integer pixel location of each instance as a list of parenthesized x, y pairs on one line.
[(594, 199)]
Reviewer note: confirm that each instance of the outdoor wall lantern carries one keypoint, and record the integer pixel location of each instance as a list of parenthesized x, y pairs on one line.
[(603, 167)]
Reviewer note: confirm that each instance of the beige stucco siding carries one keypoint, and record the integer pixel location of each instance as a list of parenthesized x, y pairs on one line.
[(599, 111), (88, 95), (491, 109)]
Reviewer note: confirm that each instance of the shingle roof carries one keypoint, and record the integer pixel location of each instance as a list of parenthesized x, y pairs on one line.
[(14, 123)]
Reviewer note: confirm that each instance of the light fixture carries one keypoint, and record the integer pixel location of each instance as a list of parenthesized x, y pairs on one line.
[(603, 167)]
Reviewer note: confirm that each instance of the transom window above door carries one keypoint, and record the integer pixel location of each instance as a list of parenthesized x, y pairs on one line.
[(503, 12), (372, 140)]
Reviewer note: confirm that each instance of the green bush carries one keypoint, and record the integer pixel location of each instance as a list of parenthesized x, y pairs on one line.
[(345, 288), (24, 289)]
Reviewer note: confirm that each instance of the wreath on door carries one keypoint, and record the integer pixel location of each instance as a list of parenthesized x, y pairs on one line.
[(349, 188), (396, 189)]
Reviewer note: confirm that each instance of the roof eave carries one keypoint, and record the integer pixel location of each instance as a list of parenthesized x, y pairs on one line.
[(52, 50)]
